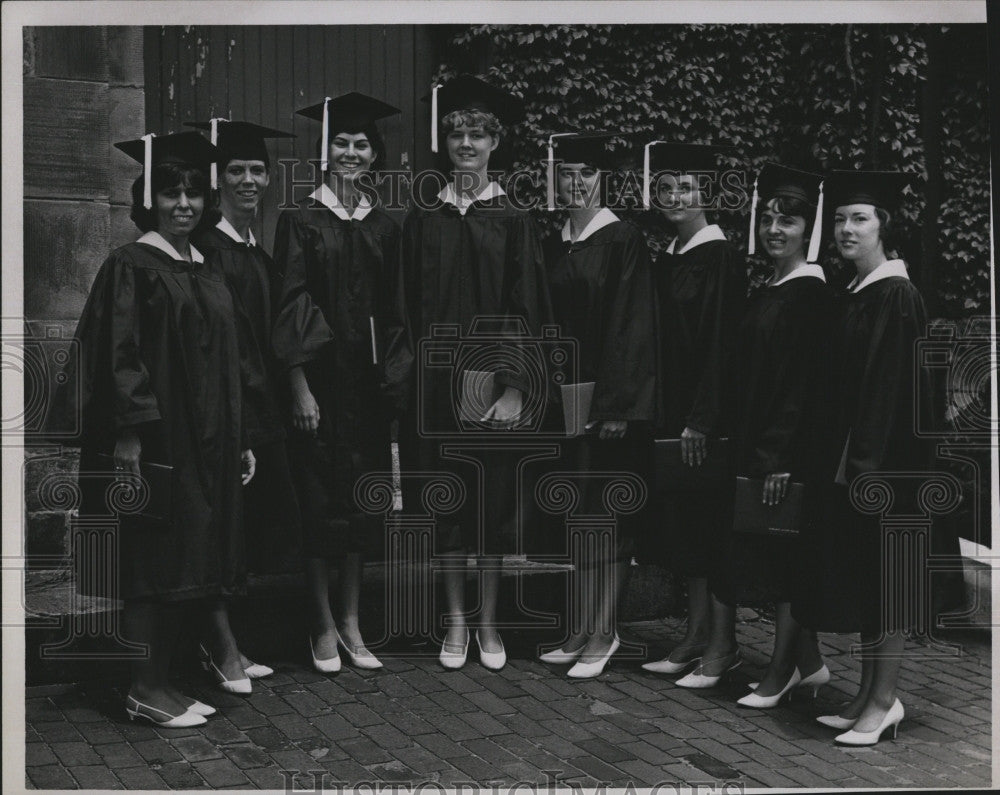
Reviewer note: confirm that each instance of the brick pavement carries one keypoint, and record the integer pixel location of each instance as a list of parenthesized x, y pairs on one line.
[(413, 722)]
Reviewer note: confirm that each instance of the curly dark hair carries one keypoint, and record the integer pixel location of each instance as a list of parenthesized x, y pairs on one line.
[(167, 175)]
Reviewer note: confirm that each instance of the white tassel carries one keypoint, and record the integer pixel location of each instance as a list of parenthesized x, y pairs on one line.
[(147, 167), (817, 231), (752, 241), (434, 118), (214, 138), (550, 171), (324, 161), (646, 176)]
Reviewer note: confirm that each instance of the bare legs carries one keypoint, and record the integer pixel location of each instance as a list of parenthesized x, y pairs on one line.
[(326, 630), (698, 624), (880, 662), (156, 625), (220, 642), (601, 587), (454, 587), (794, 647), (722, 636)]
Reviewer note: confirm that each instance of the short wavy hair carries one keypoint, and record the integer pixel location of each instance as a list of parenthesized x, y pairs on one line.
[(471, 118), (167, 175), (374, 137)]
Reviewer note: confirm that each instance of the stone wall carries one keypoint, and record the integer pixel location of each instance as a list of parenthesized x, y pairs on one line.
[(83, 90)]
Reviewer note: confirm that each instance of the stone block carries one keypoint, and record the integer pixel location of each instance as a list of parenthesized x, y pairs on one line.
[(125, 50), (65, 139), (123, 228), (64, 246), (127, 120), (76, 52), (46, 535), (41, 474)]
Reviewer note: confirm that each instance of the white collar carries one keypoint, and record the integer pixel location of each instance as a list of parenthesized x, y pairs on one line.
[(810, 269), (603, 218), (704, 235), (462, 203), (325, 195), (156, 240), (888, 269), (230, 231)]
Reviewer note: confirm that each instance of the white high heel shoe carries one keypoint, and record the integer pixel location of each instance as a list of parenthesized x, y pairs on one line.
[(815, 680), (492, 660), (767, 702), (453, 660), (136, 709), (589, 670), (837, 722), (698, 680), (892, 718), (362, 658), (668, 666), (257, 671), (239, 687), (331, 665), (560, 657)]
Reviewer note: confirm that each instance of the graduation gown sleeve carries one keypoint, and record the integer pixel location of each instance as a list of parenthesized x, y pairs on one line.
[(300, 331), (722, 305), (882, 431), (625, 387)]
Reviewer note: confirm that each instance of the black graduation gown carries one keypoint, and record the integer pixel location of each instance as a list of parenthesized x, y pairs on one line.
[(271, 521), (602, 297), (875, 374), (776, 384), (701, 294), (338, 275), (159, 353), (457, 267)]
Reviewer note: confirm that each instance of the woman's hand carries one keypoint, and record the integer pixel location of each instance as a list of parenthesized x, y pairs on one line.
[(775, 487), (305, 409), (694, 447), (609, 429), (128, 450), (248, 466), (507, 410)]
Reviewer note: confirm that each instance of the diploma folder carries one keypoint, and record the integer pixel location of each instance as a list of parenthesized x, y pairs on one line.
[(673, 475), (576, 400), (153, 500), (751, 515)]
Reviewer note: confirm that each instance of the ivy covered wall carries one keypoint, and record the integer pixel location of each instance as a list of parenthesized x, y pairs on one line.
[(894, 97)]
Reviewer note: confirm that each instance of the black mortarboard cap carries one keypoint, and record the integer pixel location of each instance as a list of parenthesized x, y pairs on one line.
[(351, 112), (681, 158), (777, 181), (584, 147), (468, 92), (154, 150), (240, 140), (880, 188)]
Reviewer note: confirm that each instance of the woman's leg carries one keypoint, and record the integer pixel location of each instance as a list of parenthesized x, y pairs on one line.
[(350, 595), (854, 708), (454, 594), (784, 657), (886, 660), (807, 654), (698, 623), (606, 582), (322, 627), (155, 625), (489, 574), (219, 640), (722, 636)]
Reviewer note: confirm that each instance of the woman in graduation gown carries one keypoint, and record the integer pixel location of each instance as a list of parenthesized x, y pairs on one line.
[(340, 334), (161, 383), (701, 287), (777, 384), (240, 178), (858, 570), (601, 284), (470, 254)]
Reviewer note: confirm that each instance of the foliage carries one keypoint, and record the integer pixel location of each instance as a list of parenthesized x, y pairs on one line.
[(817, 96)]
